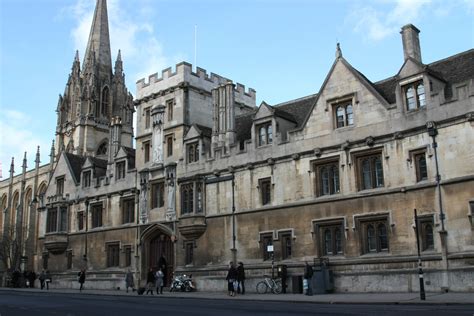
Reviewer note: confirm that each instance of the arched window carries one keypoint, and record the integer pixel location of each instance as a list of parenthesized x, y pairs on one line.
[(415, 96), (344, 114), (27, 208), (102, 149), (104, 105)]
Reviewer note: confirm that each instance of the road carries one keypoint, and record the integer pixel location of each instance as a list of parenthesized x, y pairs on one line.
[(45, 304)]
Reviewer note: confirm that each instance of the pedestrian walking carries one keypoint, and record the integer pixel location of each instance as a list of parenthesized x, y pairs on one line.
[(150, 282), (32, 278), (81, 277), (129, 281), (41, 278), (159, 276), (164, 268), (47, 279), (240, 278), (231, 279), (308, 275)]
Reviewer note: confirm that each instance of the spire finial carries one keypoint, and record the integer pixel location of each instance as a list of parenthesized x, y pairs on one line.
[(37, 160), (338, 51), (119, 56), (12, 166), (76, 58)]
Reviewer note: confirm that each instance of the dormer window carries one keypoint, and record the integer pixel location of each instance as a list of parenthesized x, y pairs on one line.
[(344, 114), (120, 170), (414, 95), (86, 178), (192, 151), (265, 134)]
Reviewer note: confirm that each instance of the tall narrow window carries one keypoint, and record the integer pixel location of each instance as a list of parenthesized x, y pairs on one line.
[(420, 165), (128, 256), (146, 151), (120, 170), (169, 107), (187, 198), (415, 97), (105, 102), (147, 118), (265, 190), (425, 225), (370, 172), (266, 240), (52, 220), (69, 260), (86, 179), (169, 146), (113, 255), (96, 214), (128, 210), (286, 245), (189, 252), (157, 194), (80, 221), (199, 198), (344, 114), (60, 186), (63, 219)]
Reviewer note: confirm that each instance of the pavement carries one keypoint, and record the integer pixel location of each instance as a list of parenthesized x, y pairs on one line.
[(450, 298)]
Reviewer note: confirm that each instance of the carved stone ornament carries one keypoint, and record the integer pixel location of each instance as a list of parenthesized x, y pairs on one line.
[(369, 141), (318, 152)]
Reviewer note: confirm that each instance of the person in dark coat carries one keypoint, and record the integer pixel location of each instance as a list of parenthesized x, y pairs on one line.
[(81, 278), (150, 282), (47, 279), (240, 278), (231, 278), (308, 275), (129, 281), (32, 278), (41, 278)]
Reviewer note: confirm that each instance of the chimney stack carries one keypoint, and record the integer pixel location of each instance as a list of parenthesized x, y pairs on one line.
[(411, 42)]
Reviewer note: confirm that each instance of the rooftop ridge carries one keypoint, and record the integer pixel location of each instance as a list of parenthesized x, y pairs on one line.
[(294, 100)]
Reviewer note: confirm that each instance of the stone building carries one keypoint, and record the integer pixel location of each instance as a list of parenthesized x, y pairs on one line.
[(214, 178)]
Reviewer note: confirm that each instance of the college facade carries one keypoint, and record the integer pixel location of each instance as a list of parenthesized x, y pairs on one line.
[(214, 178)]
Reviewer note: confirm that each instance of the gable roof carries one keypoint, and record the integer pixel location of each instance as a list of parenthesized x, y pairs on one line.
[(75, 162), (130, 156), (205, 131), (298, 108), (243, 126)]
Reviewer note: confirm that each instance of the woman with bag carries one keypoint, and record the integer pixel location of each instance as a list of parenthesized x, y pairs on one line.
[(231, 279)]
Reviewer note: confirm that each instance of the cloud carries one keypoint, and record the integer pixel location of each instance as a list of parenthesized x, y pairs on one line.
[(380, 19), (15, 139)]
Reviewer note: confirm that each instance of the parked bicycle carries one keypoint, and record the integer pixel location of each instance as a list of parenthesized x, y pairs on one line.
[(269, 285)]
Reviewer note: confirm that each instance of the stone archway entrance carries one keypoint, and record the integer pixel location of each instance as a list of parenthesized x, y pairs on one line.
[(158, 247)]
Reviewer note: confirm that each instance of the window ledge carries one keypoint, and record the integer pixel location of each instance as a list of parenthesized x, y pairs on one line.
[(345, 128)]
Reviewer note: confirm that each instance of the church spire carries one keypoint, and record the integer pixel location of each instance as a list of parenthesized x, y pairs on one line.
[(98, 46)]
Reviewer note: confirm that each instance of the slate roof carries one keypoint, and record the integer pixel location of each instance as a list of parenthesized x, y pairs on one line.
[(206, 131), (100, 166), (457, 68), (130, 155), (298, 108), (76, 163), (243, 126)]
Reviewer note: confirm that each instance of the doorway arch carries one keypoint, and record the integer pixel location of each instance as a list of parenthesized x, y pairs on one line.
[(158, 244)]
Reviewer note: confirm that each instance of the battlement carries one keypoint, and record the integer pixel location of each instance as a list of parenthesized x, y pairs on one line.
[(184, 73)]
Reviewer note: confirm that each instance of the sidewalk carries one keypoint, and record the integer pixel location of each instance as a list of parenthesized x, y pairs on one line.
[(340, 298)]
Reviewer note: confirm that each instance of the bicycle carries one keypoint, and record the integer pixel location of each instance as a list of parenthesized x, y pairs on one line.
[(274, 285)]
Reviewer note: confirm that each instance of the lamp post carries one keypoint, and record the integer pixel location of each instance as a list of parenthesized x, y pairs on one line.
[(420, 268)]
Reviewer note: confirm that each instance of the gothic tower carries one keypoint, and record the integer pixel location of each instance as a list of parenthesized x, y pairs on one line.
[(93, 96)]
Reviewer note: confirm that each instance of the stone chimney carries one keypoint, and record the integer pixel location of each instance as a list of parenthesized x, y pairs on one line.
[(411, 42), (223, 98)]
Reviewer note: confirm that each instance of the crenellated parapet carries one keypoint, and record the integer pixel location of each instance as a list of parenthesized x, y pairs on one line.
[(183, 73)]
